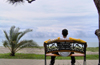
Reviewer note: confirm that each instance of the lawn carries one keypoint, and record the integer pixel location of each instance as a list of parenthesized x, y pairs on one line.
[(93, 49), (41, 56)]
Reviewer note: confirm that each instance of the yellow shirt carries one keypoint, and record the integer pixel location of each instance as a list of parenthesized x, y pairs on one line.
[(70, 38), (77, 40)]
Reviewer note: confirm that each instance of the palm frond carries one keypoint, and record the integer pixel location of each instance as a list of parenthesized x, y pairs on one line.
[(6, 44), (19, 1), (16, 30), (6, 35), (26, 43), (15, 34), (15, 1), (23, 33), (33, 44), (23, 44), (11, 31)]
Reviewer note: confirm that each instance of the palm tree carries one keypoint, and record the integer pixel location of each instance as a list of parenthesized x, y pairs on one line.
[(13, 42), (19, 1)]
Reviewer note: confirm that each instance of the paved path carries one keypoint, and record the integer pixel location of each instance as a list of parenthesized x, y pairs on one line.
[(41, 62)]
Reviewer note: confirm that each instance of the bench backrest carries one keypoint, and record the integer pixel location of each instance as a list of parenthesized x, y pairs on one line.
[(65, 46)]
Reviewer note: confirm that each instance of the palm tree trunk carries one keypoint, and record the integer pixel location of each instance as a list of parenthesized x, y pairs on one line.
[(12, 53)]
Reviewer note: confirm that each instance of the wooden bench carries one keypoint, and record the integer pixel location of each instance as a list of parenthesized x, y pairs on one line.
[(65, 46)]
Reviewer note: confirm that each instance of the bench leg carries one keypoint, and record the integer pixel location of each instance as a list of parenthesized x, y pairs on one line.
[(84, 63), (45, 60)]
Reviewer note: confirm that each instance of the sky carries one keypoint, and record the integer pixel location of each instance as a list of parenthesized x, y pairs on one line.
[(47, 18)]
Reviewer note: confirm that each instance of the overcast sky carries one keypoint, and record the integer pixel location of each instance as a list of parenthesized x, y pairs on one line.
[(48, 17)]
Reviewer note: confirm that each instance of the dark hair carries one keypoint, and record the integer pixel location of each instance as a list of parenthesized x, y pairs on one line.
[(64, 32)]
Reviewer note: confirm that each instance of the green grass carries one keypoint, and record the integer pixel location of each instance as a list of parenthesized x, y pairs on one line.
[(41, 56), (93, 49), (21, 56), (89, 57)]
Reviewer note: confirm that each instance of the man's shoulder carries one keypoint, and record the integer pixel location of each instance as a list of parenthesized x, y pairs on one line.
[(64, 38), (77, 40)]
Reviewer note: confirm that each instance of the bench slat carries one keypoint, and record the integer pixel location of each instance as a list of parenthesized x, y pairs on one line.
[(50, 54)]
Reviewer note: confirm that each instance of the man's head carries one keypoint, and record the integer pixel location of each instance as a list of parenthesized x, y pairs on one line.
[(64, 32)]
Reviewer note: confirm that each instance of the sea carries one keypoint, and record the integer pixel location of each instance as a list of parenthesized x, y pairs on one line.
[(91, 42)]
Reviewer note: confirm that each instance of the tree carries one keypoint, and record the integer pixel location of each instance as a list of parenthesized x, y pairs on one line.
[(19, 1), (97, 32), (13, 42)]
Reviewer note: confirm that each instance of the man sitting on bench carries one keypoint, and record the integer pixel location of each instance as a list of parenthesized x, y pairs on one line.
[(65, 33)]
